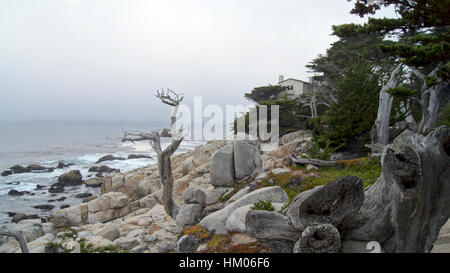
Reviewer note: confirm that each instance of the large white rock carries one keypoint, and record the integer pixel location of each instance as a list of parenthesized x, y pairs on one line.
[(216, 221), (188, 213), (236, 220), (30, 229), (222, 167), (107, 207), (71, 216), (247, 158), (108, 231)]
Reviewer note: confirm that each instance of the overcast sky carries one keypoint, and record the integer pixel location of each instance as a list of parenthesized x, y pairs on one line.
[(79, 59)]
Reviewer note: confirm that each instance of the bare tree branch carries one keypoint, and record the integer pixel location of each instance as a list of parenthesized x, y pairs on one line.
[(171, 98), (19, 238)]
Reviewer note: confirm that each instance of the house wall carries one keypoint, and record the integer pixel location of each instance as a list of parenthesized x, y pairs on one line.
[(297, 88)]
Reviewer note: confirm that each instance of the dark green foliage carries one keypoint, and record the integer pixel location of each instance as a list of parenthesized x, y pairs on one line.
[(422, 29), (290, 115), (350, 119), (263, 205), (265, 93), (444, 117)]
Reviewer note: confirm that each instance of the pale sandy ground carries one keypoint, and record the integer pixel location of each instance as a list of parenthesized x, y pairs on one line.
[(442, 244)]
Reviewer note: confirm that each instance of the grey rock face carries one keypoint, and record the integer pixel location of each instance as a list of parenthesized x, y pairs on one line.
[(216, 221), (319, 239), (195, 196), (72, 178), (222, 167), (188, 214), (247, 158), (328, 204), (405, 209)]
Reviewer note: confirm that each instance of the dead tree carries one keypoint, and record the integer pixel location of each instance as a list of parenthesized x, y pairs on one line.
[(329, 204), (406, 208), (429, 100), (380, 131), (171, 98), (319, 239), (19, 238)]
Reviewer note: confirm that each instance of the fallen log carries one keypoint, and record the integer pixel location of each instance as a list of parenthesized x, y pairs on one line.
[(19, 238), (263, 224), (319, 239), (328, 204), (316, 162), (406, 208)]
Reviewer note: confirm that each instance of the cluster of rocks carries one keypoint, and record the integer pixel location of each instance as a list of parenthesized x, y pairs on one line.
[(33, 168), (338, 217)]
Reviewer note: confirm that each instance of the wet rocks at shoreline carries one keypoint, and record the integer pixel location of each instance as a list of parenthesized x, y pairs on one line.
[(33, 168), (108, 158)]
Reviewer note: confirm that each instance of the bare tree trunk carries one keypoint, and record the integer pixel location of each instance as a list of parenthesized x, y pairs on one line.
[(406, 208), (429, 101), (433, 106), (164, 163), (380, 132), (19, 238)]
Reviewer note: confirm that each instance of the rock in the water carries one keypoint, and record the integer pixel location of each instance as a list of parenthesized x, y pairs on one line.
[(270, 225), (83, 195), (21, 216), (72, 178), (133, 156), (61, 165), (6, 173), (188, 214), (56, 188), (194, 195), (108, 158), (247, 158), (222, 167), (19, 169), (102, 169), (405, 209), (188, 244), (93, 182), (216, 221), (44, 207), (328, 204), (17, 193), (319, 239), (36, 167)]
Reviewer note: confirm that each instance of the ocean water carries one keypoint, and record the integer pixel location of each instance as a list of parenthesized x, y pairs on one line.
[(80, 143)]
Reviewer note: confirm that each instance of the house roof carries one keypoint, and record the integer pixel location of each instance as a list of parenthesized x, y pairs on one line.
[(294, 80)]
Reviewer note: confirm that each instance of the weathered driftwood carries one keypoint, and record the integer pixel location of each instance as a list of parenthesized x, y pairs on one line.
[(19, 238), (328, 204), (380, 130), (405, 209), (316, 162), (164, 164), (319, 239), (270, 225)]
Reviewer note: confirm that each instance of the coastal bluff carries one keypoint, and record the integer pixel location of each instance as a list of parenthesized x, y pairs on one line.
[(229, 199)]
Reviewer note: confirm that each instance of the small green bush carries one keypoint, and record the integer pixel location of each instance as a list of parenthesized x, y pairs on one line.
[(263, 205)]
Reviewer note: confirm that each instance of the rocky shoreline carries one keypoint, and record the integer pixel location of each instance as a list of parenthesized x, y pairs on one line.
[(227, 202)]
